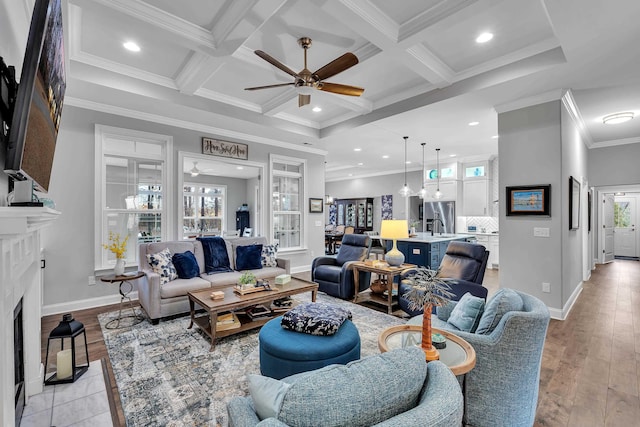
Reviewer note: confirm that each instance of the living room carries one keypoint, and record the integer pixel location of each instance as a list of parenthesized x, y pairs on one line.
[(540, 141)]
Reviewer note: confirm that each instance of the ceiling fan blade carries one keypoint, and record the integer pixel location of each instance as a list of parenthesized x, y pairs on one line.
[(303, 100), (271, 60), (341, 89), (336, 66), (269, 86)]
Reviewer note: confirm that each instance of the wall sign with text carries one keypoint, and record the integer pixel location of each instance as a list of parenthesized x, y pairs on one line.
[(234, 150)]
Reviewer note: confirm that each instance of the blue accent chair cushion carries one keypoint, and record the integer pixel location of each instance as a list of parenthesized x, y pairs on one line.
[(186, 265), (284, 352), (466, 314), (249, 257), (504, 301)]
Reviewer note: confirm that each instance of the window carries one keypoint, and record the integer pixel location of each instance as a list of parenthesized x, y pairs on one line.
[(287, 188), (131, 190), (203, 209), (622, 214)]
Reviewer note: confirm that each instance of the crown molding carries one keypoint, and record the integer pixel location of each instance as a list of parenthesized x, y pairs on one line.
[(615, 142), (374, 17), (541, 98), (426, 19), (229, 100), (574, 112)]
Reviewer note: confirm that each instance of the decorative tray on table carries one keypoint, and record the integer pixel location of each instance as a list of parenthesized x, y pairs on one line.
[(251, 287)]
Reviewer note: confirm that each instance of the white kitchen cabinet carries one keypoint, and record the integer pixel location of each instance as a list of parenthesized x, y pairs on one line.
[(449, 190), (494, 251), (475, 197)]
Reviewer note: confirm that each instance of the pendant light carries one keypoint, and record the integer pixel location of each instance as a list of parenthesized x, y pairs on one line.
[(438, 193), (423, 191), (328, 200), (405, 191)]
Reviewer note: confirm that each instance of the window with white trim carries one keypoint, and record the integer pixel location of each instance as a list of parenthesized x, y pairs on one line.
[(287, 189), (203, 209), (131, 191)]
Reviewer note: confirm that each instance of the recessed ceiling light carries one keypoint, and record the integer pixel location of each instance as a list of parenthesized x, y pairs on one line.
[(386, 156), (357, 149), (484, 37), (350, 174), (474, 123), (316, 109), (132, 46), (408, 161), (360, 164), (239, 167), (614, 119), (494, 137), (452, 155)]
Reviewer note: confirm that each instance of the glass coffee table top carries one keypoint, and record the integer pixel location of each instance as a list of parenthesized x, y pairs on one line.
[(458, 354)]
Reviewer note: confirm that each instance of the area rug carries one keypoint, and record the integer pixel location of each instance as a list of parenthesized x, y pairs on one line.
[(167, 376)]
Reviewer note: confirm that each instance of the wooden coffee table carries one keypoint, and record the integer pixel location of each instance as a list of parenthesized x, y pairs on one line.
[(234, 302)]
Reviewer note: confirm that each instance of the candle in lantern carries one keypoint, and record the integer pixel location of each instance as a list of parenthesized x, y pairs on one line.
[(64, 364)]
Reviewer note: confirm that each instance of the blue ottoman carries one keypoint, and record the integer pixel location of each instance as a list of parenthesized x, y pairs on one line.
[(284, 352)]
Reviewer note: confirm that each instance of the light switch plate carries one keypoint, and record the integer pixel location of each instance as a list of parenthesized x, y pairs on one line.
[(540, 232), (318, 223)]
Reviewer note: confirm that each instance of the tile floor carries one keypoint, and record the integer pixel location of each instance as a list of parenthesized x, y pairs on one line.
[(79, 404)]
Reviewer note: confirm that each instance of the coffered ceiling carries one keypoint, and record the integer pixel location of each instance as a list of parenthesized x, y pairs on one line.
[(423, 73)]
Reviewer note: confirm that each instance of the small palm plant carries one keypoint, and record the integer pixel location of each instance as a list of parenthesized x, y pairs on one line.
[(427, 291)]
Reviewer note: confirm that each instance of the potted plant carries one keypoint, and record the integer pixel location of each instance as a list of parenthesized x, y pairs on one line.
[(427, 291), (119, 249), (247, 279)]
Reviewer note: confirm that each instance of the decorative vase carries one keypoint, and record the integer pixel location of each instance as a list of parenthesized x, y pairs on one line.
[(118, 270), (430, 351), (412, 230)]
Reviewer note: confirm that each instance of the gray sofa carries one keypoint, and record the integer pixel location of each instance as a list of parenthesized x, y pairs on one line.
[(171, 298), (393, 389)]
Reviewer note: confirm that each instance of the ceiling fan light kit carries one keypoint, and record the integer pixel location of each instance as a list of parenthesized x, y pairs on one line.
[(306, 81), (614, 119)]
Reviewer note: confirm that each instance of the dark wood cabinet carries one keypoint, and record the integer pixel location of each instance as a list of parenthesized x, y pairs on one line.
[(357, 213)]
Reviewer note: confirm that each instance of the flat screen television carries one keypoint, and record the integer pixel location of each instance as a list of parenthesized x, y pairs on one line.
[(36, 115)]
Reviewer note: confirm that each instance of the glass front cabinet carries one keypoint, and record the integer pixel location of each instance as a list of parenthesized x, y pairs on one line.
[(357, 213)]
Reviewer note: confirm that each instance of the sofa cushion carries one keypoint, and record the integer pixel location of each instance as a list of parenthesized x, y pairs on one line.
[(249, 257), (161, 263), (266, 394), (186, 265), (504, 301), (467, 312), (180, 287), (269, 254), (315, 318), (216, 258), (362, 393)]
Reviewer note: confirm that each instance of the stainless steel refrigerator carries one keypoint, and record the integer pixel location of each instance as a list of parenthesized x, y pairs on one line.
[(446, 211)]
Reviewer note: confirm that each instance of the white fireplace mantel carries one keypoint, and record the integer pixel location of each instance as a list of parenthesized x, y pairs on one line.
[(20, 278)]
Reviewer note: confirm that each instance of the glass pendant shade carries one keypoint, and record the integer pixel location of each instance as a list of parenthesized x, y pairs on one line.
[(405, 191), (438, 193), (423, 191)]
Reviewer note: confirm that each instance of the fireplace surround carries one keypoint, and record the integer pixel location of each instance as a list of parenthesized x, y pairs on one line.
[(20, 281)]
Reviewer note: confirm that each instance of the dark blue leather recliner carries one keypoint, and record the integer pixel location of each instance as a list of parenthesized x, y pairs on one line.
[(462, 267), (335, 275)]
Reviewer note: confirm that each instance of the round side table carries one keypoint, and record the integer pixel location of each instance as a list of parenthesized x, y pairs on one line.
[(125, 289)]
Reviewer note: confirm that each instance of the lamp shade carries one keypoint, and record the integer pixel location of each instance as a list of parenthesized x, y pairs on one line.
[(394, 229)]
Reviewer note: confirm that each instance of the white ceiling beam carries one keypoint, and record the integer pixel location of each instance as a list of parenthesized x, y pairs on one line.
[(425, 63), (197, 71), (277, 104)]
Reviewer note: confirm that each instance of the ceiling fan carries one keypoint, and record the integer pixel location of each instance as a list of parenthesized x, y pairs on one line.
[(306, 81)]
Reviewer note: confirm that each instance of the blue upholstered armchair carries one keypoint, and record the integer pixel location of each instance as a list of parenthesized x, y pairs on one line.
[(335, 275), (502, 389), (462, 267)]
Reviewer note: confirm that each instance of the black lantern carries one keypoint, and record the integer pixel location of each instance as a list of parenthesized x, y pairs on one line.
[(69, 359)]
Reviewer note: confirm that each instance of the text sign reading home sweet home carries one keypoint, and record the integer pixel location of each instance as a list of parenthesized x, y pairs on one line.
[(225, 149)]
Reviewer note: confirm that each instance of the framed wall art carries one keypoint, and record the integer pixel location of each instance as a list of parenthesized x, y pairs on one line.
[(574, 203), (316, 205), (529, 200)]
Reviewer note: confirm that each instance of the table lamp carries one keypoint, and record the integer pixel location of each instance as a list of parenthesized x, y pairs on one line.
[(394, 229)]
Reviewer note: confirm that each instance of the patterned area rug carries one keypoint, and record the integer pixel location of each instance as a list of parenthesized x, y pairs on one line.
[(167, 376)]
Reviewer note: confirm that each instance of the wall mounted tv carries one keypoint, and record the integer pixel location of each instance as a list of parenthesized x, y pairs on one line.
[(36, 115)]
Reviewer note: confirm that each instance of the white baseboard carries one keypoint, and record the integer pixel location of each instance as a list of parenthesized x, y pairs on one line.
[(562, 314), (301, 269), (71, 306)]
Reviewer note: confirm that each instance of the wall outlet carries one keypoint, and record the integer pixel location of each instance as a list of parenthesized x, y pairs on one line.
[(546, 287), (92, 280)]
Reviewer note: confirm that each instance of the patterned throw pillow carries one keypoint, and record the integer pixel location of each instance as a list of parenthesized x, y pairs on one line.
[(315, 318), (269, 254), (161, 263)]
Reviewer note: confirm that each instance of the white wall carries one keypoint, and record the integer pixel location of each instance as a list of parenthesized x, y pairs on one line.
[(69, 242), (617, 165)]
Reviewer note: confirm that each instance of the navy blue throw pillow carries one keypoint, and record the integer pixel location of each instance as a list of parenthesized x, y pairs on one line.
[(186, 265), (216, 259), (249, 257)]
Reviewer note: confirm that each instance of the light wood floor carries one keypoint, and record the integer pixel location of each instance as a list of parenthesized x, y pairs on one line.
[(591, 363)]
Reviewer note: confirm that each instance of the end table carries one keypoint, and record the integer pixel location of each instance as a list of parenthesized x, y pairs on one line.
[(125, 289)]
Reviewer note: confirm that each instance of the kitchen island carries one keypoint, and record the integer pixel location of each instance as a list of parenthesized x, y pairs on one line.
[(426, 250)]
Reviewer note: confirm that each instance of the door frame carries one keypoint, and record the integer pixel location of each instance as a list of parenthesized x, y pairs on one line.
[(597, 212)]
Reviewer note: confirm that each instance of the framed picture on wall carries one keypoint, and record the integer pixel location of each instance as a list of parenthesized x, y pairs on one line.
[(529, 200), (316, 205), (574, 203)]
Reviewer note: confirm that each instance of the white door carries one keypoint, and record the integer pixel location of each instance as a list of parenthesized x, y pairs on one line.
[(608, 227), (625, 227)]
